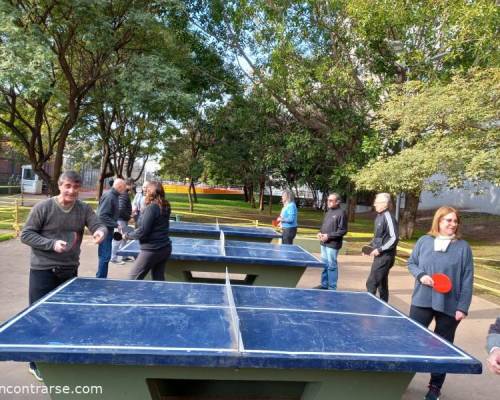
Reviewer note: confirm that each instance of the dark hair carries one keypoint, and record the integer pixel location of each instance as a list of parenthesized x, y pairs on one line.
[(129, 182), (156, 194), (71, 176)]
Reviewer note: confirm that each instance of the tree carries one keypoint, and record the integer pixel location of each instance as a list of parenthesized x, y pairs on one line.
[(52, 55), (450, 129)]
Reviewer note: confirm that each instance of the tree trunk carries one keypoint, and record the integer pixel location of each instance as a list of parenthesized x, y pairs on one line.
[(190, 199), (251, 195), (193, 190), (245, 193), (351, 207), (270, 198), (262, 186), (351, 202), (409, 215), (103, 173)]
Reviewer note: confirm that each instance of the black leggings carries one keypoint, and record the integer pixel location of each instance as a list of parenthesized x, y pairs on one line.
[(151, 260), (446, 327)]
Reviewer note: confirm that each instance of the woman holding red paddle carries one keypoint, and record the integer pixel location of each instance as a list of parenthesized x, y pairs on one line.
[(443, 268)]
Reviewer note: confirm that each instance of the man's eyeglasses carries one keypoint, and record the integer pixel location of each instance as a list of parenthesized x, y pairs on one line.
[(450, 220)]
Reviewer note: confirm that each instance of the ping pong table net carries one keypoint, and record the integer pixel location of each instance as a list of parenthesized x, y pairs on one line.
[(235, 321)]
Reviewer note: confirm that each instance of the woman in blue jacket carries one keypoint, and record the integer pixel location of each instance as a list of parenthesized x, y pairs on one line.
[(288, 217)]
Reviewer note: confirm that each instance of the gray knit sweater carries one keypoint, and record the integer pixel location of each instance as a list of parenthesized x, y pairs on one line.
[(456, 262), (48, 222)]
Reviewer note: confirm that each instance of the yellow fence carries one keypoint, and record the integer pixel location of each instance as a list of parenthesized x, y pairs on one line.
[(183, 189), (487, 284), (10, 215)]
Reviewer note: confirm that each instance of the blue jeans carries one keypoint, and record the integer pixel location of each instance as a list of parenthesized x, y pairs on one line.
[(104, 254), (118, 244), (330, 273)]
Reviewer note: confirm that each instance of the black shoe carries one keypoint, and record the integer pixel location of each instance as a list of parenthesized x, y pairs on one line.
[(320, 287), (433, 393), (35, 372)]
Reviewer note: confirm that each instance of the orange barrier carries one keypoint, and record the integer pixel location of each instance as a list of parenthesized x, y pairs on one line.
[(183, 189)]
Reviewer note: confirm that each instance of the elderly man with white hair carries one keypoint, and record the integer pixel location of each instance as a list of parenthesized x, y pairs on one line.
[(384, 243)]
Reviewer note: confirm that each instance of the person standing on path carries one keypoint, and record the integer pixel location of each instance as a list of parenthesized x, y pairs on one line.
[(331, 234), (108, 215), (54, 231), (384, 243), (288, 218)]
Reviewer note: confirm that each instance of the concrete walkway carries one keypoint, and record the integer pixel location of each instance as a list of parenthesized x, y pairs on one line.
[(471, 334)]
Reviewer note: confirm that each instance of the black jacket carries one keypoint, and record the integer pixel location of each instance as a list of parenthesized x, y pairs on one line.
[(152, 228), (335, 226), (124, 206), (109, 208), (386, 236)]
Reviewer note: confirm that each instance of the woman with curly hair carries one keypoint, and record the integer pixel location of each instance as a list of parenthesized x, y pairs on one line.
[(152, 234)]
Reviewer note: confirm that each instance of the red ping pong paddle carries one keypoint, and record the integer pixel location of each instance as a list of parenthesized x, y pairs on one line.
[(442, 284), (70, 238), (275, 222), (367, 250)]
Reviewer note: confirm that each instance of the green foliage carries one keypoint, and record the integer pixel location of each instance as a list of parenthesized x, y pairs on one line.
[(447, 128)]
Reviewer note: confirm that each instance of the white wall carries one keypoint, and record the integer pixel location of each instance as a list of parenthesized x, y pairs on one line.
[(488, 201)]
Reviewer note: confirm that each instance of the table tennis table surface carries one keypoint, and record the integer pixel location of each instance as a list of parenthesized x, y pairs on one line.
[(178, 227), (99, 321), (210, 250)]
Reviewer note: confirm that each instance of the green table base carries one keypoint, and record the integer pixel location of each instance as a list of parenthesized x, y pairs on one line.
[(141, 382), (256, 274)]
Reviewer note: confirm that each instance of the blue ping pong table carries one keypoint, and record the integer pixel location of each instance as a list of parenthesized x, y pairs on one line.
[(212, 231), (155, 340), (256, 263)]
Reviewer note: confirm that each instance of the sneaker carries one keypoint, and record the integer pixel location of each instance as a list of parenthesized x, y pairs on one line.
[(320, 287), (433, 393), (118, 262), (35, 372)]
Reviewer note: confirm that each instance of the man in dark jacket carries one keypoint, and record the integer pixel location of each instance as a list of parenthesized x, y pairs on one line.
[(108, 215), (124, 215), (384, 243), (332, 231)]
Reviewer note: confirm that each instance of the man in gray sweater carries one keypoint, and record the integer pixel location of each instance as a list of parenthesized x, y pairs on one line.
[(54, 231)]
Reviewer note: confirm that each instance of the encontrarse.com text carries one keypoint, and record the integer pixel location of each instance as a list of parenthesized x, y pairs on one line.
[(51, 389)]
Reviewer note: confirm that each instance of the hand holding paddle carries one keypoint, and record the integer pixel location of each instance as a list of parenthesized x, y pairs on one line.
[(367, 250), (442, 284), (439, 282)]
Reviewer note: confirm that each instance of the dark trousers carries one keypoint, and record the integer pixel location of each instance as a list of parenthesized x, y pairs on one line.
[(44, 281), (151, 260), (288, 235), (446, 327), (379, 275)]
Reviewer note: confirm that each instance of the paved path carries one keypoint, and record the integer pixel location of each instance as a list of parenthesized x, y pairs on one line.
[(14, 261)]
